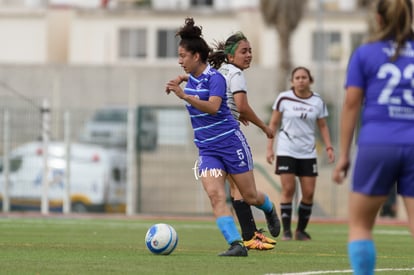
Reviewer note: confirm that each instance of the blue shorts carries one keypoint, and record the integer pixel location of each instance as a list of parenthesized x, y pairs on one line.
[(378, 167), (231, 155)]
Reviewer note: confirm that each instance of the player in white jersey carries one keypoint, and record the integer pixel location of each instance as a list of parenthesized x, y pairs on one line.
[(231, 58), (296, 113)]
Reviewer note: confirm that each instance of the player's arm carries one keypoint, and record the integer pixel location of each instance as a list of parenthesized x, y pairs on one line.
[(324, 130), (349, 116), (211, 106), (247, 113), (350, 113), (273, 125)]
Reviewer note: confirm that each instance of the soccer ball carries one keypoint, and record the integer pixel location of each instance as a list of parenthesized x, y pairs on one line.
[(161, 239)]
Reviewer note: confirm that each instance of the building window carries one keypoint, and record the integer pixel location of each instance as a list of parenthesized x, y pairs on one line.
[(201, 3), (356, 40), (326, 46), (132, 43), (167, 44)]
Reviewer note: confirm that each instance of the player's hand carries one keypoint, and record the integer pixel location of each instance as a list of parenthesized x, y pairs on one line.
[(269, 132), (331, 156), (243, 120), (270, 156), (178, 80), (341, 170), (173, 86)]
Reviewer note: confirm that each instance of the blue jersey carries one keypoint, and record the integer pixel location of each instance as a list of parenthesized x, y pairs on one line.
[(388, 107), (210, 129)]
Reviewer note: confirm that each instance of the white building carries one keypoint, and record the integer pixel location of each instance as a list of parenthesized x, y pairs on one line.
[(72, 32), (84, 54)]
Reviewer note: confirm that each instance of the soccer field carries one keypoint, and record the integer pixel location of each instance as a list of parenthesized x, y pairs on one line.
[(115, 245)]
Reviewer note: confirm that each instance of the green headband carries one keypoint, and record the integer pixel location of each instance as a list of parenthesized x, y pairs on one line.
[(231, 47)]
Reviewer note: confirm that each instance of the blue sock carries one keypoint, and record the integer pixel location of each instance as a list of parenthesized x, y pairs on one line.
[(228, 228), (362, 255), (267, 206)]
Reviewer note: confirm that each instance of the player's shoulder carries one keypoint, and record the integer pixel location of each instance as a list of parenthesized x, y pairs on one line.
[(317, 97), (375, 49), (316, 94), (287, 93), (214, 75), (212, 72), (229, 70)]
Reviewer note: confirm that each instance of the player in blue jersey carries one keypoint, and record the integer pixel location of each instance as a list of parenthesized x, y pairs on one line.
[(380, 85), (231, 58), (296, 113), (223, 149)]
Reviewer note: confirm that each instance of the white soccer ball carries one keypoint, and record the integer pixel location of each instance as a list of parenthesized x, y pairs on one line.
[(161, 239)]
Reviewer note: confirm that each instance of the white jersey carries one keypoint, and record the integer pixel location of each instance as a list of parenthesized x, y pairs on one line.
[(296, 137), (235, 83)]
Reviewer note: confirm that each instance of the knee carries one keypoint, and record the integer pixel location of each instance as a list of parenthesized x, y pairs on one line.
[(307, 197), (288, 193), (250, 199)]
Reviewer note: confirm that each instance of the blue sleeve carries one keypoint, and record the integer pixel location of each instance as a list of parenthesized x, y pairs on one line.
[(217, 85), (355, 74)]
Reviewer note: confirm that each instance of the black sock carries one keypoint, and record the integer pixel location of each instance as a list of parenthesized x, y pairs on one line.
[(245, 217), (304, 213), (286, 213)]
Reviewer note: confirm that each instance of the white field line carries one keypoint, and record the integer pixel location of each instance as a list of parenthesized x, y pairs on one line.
[(341, 271)]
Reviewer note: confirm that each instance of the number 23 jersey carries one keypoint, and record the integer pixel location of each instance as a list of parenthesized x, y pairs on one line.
[(388, 107), (296, 137)]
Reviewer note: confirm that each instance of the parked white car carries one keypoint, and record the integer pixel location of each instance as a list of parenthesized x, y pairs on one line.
[(108, 127), (97, 177)]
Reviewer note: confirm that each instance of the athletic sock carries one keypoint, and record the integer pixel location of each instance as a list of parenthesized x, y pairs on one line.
[(267, 205), (245, 217), (304, 213), (362, 255), (286, 213), (228, 228)]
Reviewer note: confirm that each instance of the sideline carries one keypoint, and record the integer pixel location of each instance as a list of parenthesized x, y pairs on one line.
[(36, 214)]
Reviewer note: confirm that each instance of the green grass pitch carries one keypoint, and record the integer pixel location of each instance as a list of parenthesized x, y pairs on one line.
[(115, 245)]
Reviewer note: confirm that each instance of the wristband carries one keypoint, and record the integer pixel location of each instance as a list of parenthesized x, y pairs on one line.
[(329, 148)]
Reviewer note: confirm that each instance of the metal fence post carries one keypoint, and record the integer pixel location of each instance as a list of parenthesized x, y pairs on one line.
[(45, 111), (131, 196), (68, 157), (6, 159)]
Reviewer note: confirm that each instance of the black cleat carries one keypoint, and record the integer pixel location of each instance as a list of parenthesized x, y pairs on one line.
[(273, 222), (287, 235), (237, 249), (302, 236)]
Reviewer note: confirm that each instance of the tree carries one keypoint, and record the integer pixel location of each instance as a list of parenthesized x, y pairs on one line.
[(285, 16)]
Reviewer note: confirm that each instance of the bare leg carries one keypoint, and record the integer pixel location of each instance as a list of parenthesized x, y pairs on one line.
[(409, 206), (362, 213), (288, 182), (363, 210), (247, 187), (215, 189)]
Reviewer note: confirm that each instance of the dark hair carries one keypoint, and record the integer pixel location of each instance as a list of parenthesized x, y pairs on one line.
[(223, 49), (301, 68), (192, 40), (397, 19)]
